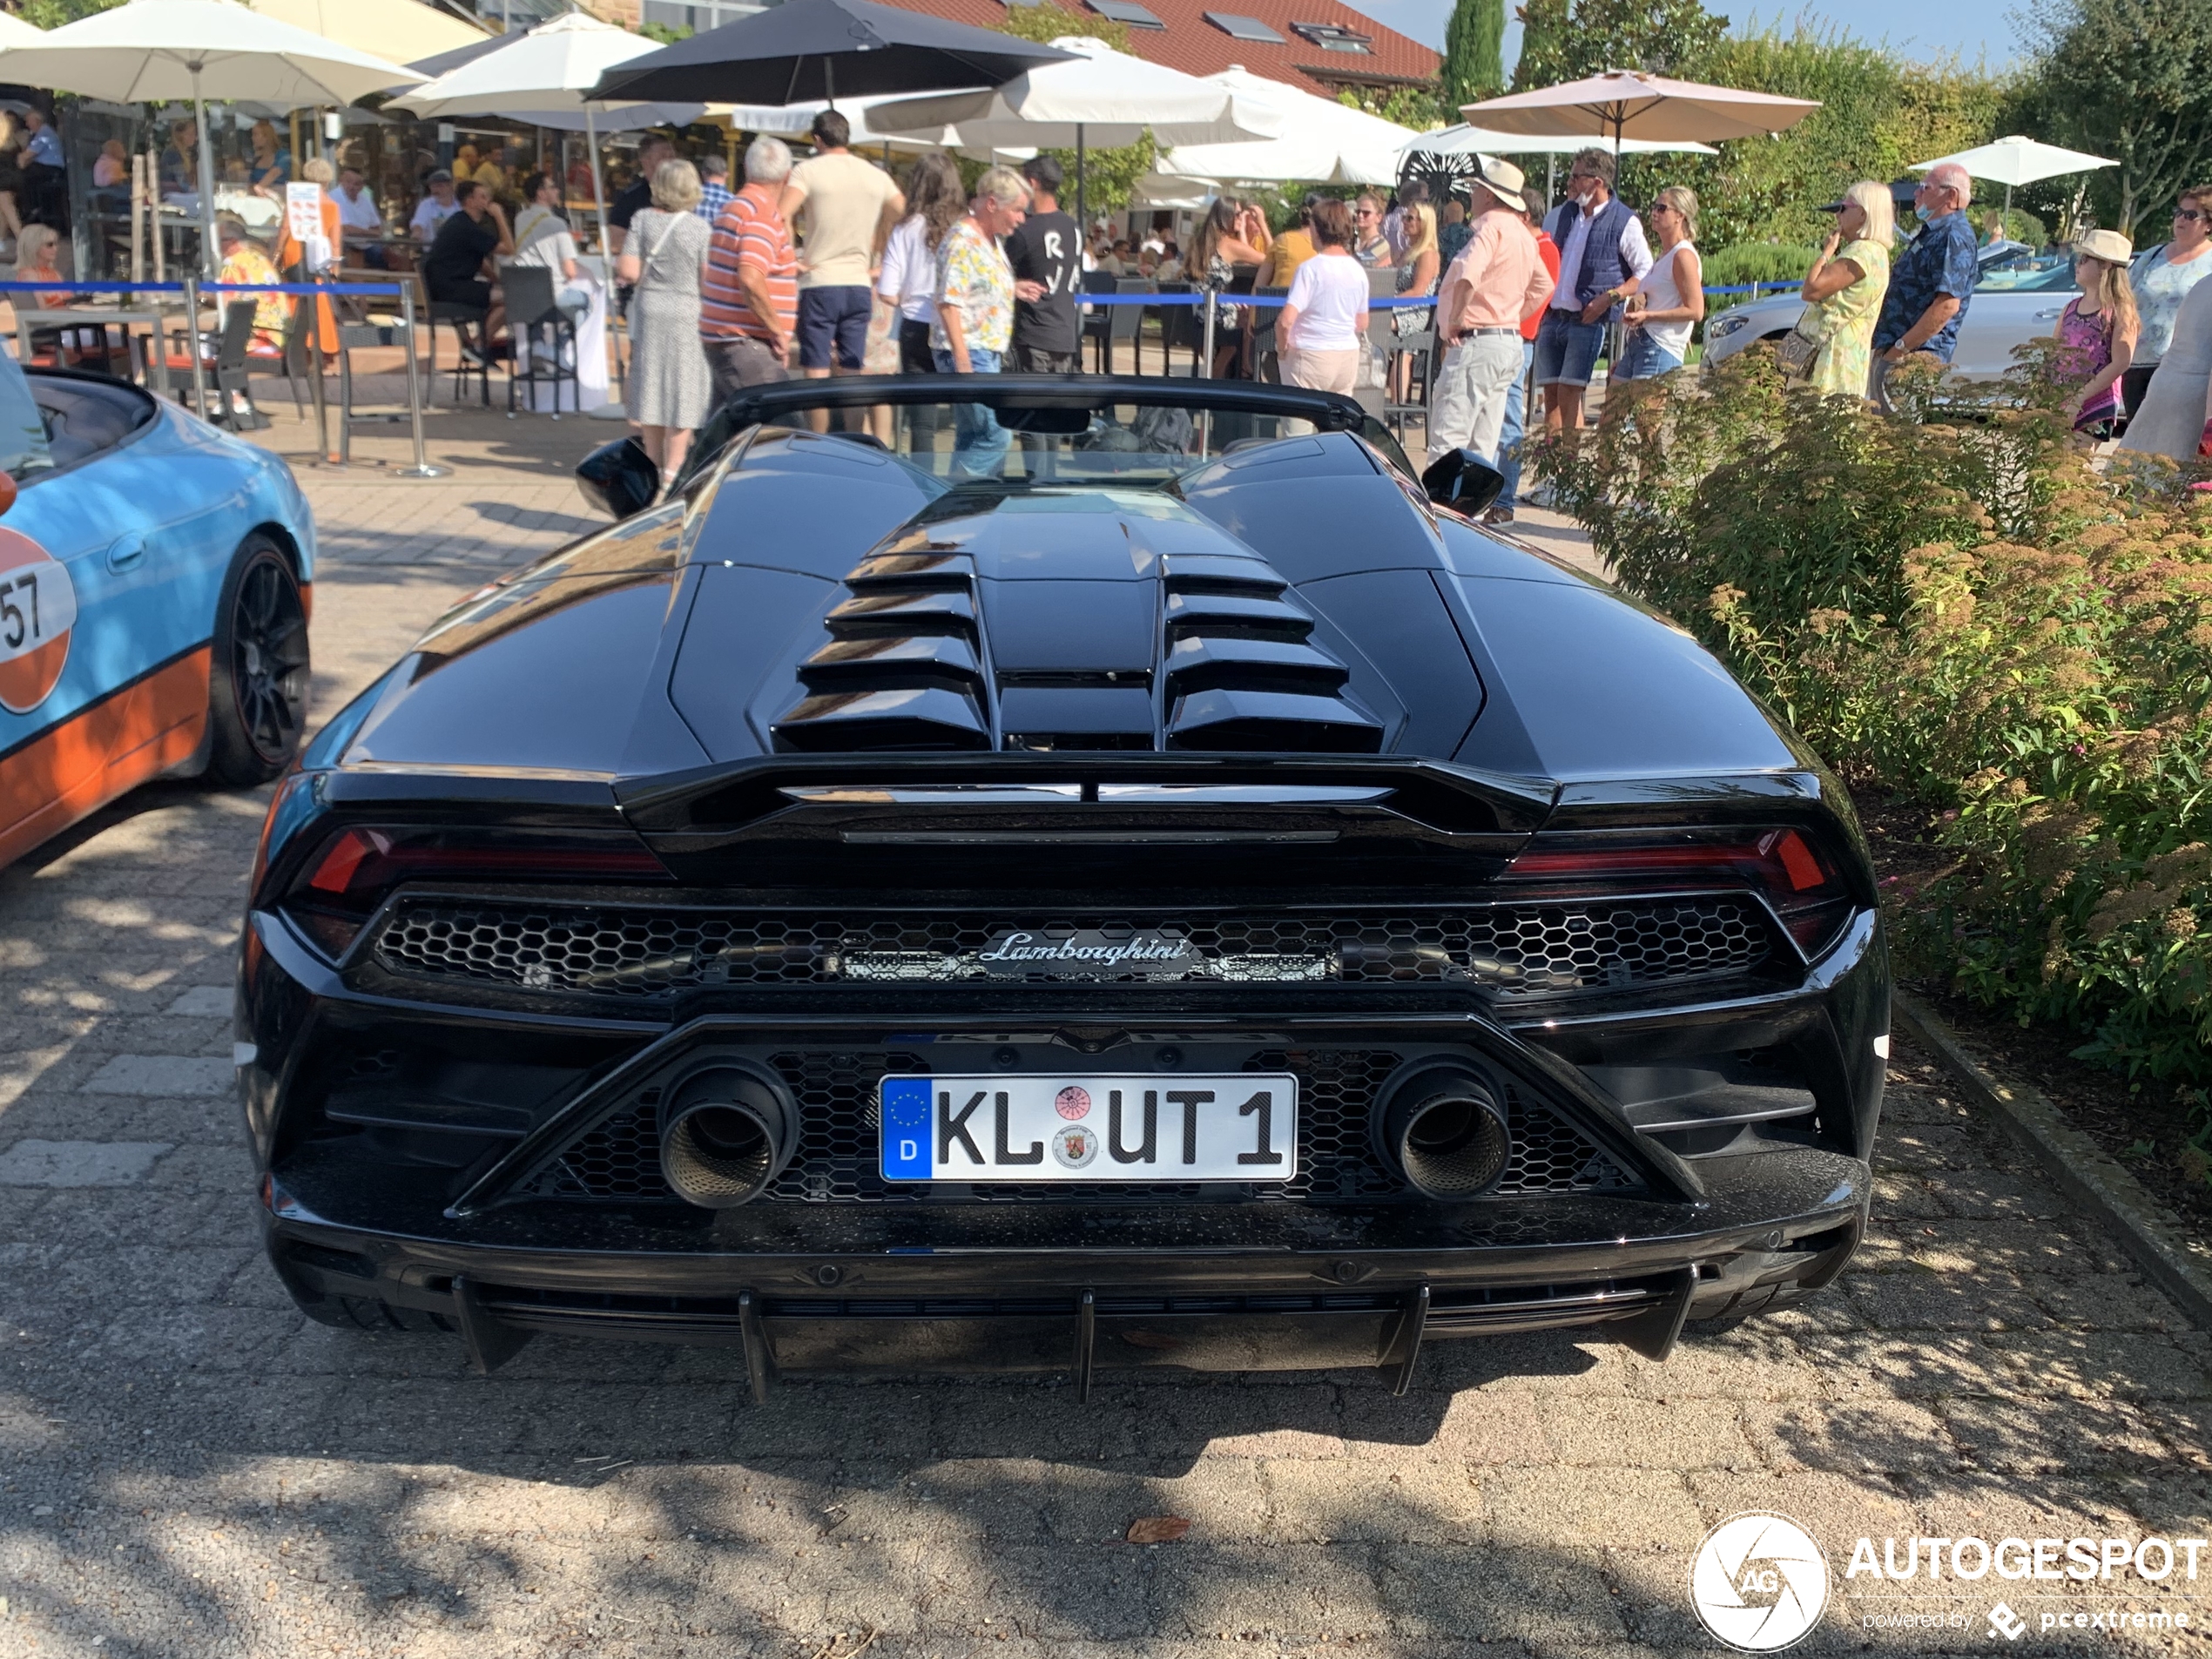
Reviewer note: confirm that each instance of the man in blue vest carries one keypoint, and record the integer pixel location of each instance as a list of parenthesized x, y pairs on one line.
[(1603, 259)]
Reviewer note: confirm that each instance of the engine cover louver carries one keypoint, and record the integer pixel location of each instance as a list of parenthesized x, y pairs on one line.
[(1243, 671), (1055, 631), (904, 666)]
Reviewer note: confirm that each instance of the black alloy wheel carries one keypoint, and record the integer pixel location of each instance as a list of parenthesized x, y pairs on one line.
[(257, 681)]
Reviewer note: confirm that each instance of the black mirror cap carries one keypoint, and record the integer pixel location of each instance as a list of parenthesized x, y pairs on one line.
[(1462, 480), (619, 478)]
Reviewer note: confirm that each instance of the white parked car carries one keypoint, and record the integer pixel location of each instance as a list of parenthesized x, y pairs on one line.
[(2018, 299)]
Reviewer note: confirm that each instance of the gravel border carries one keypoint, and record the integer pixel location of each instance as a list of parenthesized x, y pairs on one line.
[(2082, 1169)]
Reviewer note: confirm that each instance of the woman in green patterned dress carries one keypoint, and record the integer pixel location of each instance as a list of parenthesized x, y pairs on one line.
[(1845, 289)]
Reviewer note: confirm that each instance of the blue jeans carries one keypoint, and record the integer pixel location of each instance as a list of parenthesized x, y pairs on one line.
[(1566, 347), (979, 441), (1509, 440), (1643, 358)]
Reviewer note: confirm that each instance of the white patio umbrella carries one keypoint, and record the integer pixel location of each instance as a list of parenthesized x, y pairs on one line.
[(14, 31), (149, 51), (1465, 140), (1321, 141), (2018, 161), (1611, 105), (1098, 97), (543, 78)]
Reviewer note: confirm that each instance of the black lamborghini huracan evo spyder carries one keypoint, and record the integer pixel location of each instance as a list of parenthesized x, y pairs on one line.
[(1049, 873)]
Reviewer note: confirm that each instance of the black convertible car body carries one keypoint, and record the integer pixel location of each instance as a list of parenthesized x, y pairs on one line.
[(1176, 897)]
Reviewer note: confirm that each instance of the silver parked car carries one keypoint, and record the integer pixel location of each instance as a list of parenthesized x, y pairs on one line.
[(2017, 299)]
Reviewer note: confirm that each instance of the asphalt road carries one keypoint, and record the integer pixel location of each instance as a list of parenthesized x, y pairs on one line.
[(188, 1467)]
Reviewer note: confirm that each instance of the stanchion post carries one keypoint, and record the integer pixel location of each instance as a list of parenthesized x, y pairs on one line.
[(314, 353), (422, 469), (192, 346)]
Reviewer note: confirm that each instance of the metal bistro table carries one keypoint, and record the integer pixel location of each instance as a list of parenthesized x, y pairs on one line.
[(58, 317)]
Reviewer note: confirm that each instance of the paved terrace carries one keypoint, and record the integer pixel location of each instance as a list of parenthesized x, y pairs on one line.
[(188, 1467)]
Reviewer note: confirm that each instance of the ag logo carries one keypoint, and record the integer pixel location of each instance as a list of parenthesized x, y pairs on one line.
[(1759, 1582), (37, 609)]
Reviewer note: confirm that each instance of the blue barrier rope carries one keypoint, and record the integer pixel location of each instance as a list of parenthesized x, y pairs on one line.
[(309, 289)]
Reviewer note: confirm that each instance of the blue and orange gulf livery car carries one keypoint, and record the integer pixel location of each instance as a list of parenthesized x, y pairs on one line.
[(155, 581)]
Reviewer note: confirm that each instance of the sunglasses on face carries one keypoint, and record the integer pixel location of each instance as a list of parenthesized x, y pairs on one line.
[(2191, 213)]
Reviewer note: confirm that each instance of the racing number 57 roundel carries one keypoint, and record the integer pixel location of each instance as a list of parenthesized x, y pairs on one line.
[(37, 609)]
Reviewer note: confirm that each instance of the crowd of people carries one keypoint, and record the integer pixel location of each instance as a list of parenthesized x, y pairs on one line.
[(830, 266)]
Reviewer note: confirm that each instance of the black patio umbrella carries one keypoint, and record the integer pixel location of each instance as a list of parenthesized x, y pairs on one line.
[(807, 51)]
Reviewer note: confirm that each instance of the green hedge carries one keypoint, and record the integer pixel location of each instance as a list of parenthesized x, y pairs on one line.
[(1775, 262), (1960, 611)]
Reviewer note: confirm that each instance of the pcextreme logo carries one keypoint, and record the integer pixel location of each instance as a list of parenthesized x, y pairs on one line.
[(1759, 1582)]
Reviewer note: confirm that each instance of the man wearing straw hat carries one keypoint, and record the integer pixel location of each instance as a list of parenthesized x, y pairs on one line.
[(1498, 280)]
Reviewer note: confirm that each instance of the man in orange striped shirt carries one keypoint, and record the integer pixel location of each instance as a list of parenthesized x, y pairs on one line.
[(749, 296)]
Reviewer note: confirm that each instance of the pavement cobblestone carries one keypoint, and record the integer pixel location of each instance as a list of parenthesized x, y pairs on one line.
[(189, 1467)]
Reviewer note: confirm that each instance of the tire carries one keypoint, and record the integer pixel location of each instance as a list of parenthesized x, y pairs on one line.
[(259, 675)]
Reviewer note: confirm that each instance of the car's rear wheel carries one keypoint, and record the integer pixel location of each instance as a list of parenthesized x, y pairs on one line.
[(257, 690)]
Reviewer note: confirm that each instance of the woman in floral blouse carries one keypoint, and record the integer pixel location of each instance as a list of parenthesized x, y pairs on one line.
[(1845, 289), (975, 312)]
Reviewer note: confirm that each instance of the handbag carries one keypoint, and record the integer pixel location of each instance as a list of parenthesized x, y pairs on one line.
[(1796, 350)]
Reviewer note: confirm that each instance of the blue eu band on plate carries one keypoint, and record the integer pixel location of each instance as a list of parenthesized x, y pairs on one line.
[(1241, 1127)]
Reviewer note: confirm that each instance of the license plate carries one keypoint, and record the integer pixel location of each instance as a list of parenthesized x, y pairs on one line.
[(1242, 1127)]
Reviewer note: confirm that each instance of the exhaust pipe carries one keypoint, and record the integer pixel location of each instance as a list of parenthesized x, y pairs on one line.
[(1445, 1130), (726, 1132)]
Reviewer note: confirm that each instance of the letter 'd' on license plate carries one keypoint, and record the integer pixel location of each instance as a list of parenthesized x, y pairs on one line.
[(1241, 1127)]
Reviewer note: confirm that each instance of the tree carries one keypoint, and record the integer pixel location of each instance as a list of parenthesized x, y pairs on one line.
[(1045, 21), (2131, 79), (1109, 175), (53, 14), (1662, 36), (1474, 64), (1419, 106)]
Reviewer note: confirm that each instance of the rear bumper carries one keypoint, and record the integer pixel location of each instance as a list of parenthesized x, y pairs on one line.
[(1772, 1227)]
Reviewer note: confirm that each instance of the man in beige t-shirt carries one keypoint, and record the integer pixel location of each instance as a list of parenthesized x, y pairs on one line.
[(847, 207)]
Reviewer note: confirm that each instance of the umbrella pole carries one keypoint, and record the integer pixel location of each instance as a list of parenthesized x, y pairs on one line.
[(598, 189), (208, 261), (1081, 219)]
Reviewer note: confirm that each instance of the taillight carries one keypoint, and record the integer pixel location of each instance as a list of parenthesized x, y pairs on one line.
[(1785, 864), (348, 876)]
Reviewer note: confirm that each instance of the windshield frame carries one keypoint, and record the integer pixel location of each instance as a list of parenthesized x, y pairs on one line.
[(777, 403)]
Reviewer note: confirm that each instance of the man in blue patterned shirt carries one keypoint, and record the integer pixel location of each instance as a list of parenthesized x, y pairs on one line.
[(714, 187), (1931, 281)]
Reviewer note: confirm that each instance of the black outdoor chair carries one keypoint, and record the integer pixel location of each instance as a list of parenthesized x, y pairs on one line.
[(231, 351), (531, 290), (462, 318), (1264, 318), (356, 336), (1182, 327), (293, 361), (1096, 323), (1418, 352), (1124, 322)]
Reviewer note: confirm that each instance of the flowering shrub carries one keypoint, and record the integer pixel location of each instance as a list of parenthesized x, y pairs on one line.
[(1961, 610)]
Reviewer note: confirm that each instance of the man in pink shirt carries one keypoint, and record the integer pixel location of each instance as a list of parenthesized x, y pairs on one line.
[(1497, 280)]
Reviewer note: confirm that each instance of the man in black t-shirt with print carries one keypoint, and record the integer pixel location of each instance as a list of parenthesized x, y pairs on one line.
[(1047, 257), (459, 267)]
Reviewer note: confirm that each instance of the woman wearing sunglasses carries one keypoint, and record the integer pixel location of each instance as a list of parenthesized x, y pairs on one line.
[(2162, 278)]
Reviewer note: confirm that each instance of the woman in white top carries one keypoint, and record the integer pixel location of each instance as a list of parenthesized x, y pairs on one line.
[(1324, 315), (2162, 278), (1672, 292), (908, 280)]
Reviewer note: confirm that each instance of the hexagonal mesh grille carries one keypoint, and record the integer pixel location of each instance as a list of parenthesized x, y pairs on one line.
[(1513, 949), (836, 1157)]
